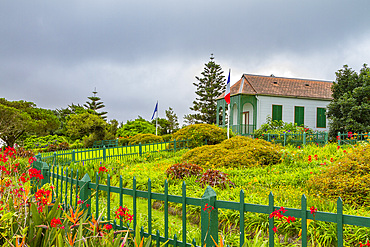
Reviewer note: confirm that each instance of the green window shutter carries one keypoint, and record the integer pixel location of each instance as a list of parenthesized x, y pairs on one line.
[(299, 115), (321, 118), (277, 112)]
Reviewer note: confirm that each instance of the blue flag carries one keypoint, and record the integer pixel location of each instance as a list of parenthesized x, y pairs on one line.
[(155, 110)]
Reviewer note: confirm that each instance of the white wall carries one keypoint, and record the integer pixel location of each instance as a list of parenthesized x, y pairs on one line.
[(264, 109)]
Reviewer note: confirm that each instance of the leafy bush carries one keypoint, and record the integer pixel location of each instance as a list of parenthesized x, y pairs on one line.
[(215, 178), (138, 126), (167, 137), (236, 152), (145, 138), (34, 142), (279, 127), (198, 133), (182, 170), (348, 178), (23, 153)]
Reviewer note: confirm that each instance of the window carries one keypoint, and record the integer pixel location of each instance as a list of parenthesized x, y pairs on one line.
[(321, 118), (299, 115), (277, 112)]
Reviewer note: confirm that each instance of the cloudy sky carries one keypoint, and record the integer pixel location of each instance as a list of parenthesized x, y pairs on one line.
[(135, 52)]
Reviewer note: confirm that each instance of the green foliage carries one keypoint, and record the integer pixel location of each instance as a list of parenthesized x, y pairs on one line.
[(19, 118), (279, 127), (349, 111), (173, 121), (347, 178), (95, 104), (238, 152), (144, 138), (88, 127), (209, 87), (43, 143), (198, 133), (163, 125), (137, 126), (182, 170)]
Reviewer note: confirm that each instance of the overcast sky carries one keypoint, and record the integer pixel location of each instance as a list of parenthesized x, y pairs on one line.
[(54, 53)]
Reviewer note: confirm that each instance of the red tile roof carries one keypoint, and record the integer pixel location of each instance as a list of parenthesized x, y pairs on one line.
[(280, 86)]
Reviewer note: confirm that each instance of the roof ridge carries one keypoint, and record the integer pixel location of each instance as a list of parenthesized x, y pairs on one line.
[(287, 78), (249, 84)]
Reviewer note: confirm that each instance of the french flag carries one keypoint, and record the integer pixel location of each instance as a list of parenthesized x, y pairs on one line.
[(227, 93)]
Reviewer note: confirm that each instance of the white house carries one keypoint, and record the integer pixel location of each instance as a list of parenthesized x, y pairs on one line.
[(254, 97)]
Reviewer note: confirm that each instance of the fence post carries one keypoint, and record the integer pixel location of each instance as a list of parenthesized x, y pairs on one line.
[(55, 158), (45, 173), (104, 153), (304, 138), (326, 137), (140, 149), (271, 220), (209, 218), (174, 145), (85, 193), (338, 137), (284, 139), (268, 137), (73, 156), (340, 222), (206, 142)]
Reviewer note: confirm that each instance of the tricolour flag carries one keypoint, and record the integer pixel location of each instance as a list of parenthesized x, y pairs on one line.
[(155, 110), (227, 93)]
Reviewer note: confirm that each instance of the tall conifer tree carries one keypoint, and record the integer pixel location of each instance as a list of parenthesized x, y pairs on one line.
[(95, 104), (209, 87)]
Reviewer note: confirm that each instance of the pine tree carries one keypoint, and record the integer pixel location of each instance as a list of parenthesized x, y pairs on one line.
[(209, 87), (172, 119), (95, 105)]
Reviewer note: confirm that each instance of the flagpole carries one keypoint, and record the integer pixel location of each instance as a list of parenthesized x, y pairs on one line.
[(156, 121), (228, 123)]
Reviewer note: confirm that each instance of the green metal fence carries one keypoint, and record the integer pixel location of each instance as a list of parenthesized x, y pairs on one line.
[(350, 138), (297, 139), (105, 154), (105, 143), (97, 196)]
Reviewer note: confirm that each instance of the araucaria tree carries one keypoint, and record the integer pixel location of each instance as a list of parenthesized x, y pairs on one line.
[(349, 111), (209, 87), (95, 104)]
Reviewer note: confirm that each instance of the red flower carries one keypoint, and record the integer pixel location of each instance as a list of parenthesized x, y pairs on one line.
[(55, 222), (123, 211), (331, 160), (316, 156), (108, 226), (290, 219), (313, 210), (31, 160), (80, 201), (274, 229), (208, 208), (102, 169), (309, 158)]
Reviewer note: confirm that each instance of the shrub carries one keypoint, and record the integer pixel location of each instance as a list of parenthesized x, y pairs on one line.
[(215, 178), (23, 153), (236, 152), (348, 178), (279, 127), (34, 142), (167, 137), (144, 138), (182, 170), (137, 126), (198, 133)]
